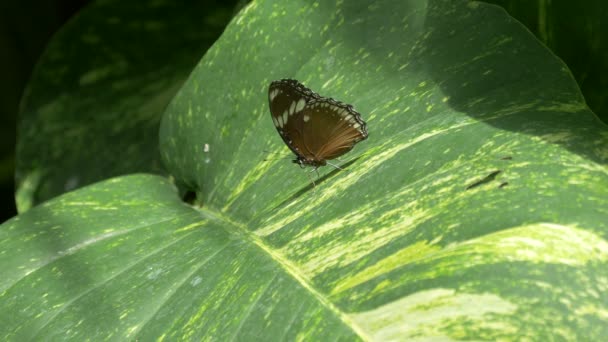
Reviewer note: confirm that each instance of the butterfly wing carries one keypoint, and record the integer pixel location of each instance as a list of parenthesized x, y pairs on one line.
[(332, 128), (286, 99), (313, 127)]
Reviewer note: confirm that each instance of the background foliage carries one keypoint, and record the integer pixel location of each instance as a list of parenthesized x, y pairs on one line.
[(25, 28)]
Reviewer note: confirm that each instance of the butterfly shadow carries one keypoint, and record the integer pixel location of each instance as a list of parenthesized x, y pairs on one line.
[(317, 182)]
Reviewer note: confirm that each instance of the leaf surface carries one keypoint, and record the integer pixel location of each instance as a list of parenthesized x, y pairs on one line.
[(474, 210)]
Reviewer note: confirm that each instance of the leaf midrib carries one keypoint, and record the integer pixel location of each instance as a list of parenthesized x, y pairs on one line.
[(240, 230)]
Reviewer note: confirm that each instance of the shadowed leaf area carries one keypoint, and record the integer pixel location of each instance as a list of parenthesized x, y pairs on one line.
[(93, 105), (398, 246)]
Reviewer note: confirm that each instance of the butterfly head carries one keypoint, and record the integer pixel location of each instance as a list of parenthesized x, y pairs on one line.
[(303, 162)]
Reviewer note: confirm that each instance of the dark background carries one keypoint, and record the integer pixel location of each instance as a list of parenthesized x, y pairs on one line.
[(25, 29), (574, 31)]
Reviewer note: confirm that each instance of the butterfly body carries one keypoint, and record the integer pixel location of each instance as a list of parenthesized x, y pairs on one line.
[(315, 128)]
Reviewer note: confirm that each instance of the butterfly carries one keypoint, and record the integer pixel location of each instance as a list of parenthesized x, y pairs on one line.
[(315, 128)]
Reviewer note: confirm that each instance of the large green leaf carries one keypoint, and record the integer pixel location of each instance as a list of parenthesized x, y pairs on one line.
[(420, 238), (93, 105), (452, 92), (125, 259)]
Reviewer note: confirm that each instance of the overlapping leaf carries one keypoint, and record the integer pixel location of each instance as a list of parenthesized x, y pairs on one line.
[(93, 104)]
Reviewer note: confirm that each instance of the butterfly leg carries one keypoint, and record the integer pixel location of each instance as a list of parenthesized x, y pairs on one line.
[(311, 180), (334, 165)]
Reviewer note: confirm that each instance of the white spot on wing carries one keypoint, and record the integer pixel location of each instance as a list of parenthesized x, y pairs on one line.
[(285, 117), (305, 118), (275, 121), (292, 107), (274, 94), (300, 105), (280, 120)]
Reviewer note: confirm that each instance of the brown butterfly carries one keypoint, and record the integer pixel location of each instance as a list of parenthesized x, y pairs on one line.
[(315, 128)]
